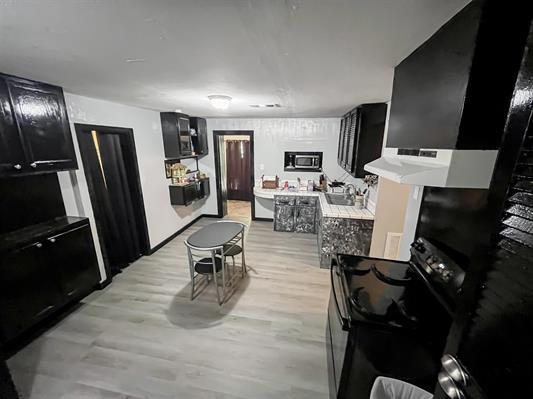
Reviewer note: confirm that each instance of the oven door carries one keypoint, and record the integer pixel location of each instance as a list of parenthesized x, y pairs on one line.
[(337, 330)]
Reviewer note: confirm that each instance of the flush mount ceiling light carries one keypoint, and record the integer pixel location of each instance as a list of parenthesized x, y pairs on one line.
[(219, 101)]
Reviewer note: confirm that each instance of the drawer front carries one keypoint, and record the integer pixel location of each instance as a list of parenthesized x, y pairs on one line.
[(284, 200), (306, 201)]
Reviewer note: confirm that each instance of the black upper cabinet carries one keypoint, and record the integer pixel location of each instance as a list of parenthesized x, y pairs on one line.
[(176, 134), (453, 91), (361, 137), (35, 134), (11, 151), (199, 137)]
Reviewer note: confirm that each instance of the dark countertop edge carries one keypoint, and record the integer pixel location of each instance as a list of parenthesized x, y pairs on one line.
[(21, 237)]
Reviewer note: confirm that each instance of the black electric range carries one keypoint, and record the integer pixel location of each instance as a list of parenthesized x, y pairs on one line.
[(389, 318)]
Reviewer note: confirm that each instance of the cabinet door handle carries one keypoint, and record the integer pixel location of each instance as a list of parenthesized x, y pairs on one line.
[(17, 166), (33, 165)]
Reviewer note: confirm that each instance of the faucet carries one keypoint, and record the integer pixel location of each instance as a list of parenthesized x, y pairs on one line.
[(347, 189)]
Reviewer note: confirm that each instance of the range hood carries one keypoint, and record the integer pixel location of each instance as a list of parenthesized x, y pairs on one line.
[(436, 167)]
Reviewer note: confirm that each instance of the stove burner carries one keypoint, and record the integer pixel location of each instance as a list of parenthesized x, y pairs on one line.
[(395, 313), (389, 280), (348, 266)]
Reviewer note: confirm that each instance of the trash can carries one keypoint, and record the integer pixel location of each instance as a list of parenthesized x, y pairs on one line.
[(389, 388)]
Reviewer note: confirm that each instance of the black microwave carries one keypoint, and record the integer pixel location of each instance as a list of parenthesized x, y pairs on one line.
[(303, 161)]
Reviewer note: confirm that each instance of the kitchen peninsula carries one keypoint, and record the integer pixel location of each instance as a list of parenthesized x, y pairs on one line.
[(339, 228)]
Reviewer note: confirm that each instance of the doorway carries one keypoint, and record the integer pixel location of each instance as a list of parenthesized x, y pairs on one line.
[(234, 164), (110, 164)]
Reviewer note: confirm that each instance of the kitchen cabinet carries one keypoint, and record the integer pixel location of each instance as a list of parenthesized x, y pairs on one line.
[(295, 213), (29, 289), (77, 272), (199, 138), (35, 133), (42, 268), (186, 194), (444, 96), (176, 135), (361, 137)]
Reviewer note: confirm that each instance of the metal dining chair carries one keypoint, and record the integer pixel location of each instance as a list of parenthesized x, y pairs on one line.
[(232, 248), (207, 262)]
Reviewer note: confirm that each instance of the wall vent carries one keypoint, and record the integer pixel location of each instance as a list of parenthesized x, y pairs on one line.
[(392, 245)]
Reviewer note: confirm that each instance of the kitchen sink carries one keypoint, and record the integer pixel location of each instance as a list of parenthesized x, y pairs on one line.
[(340, 199)]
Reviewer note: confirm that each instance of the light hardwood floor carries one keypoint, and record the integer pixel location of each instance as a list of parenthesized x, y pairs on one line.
[(142, 337)]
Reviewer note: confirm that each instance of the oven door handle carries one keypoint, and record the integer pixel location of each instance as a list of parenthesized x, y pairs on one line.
[(345, 321)]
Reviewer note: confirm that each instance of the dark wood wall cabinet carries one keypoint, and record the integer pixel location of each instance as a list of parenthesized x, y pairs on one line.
[(361, 137), (199, 135), (35, 133), (43, 268), (453, 91), (183, 136), (186, 194)]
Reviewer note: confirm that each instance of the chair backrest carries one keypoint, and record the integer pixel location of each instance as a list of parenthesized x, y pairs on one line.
[(196, 254)]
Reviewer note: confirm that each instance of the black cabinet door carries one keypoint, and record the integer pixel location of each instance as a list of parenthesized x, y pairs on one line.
[(29, 288), (190, 193), (340, 149), (369, 143), (351, 141), (199, 139), (169, 127), (184, 136), (73, 256), (12, 157), (41, 116), (204, 188)]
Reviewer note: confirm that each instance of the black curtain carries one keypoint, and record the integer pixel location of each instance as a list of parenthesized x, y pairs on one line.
[(238, 172), (111, 197)]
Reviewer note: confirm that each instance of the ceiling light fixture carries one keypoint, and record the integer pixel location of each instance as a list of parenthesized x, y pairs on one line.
[(132, 60), (219, 101)]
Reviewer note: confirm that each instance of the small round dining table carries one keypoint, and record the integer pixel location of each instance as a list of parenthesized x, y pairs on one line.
[(215, 235)]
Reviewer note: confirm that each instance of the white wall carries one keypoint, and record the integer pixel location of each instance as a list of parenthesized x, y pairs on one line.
[(163, 219), (274, 136)]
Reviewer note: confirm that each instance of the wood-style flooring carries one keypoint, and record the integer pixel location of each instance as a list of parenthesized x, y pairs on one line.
[(240, 210), (142, 337)]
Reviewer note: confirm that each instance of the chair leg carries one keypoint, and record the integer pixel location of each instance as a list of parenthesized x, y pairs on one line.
[(215, 276), (244, 271), (191, 270)]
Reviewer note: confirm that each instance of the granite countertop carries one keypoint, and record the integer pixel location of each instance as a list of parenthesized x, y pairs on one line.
[(328, 210)]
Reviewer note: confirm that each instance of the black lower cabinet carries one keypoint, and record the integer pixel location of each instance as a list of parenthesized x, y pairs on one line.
[(188, 193), (71, 253), (42, 273), (29, 289)]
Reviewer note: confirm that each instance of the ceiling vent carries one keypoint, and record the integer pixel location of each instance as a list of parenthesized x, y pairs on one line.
[(265, 105)]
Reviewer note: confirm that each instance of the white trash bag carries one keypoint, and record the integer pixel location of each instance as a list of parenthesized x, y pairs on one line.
[(389, 388)]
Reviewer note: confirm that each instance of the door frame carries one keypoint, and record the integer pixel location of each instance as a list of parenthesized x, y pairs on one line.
[(82, 129), (218, 168)]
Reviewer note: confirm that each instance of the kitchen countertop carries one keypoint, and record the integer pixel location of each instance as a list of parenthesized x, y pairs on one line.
[(328, 210)]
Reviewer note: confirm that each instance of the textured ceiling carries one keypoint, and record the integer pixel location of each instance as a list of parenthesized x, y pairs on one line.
[(315, 57)]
